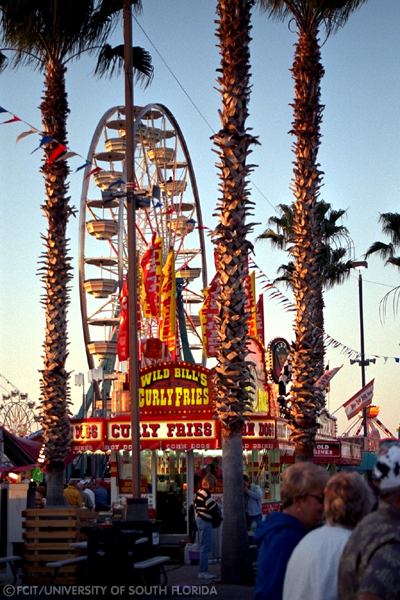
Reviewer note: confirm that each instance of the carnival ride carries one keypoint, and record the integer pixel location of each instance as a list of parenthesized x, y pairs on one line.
[(375, 427), (168, 210), (17, 412)]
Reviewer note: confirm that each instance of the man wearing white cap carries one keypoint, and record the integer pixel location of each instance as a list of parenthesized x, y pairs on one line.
[(370, 565)]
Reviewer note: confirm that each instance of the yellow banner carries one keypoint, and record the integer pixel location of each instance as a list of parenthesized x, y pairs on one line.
[(250, 285), (168, 304)]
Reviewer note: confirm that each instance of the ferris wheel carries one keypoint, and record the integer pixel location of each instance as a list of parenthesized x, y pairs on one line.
[(17, 413), (169, 211)]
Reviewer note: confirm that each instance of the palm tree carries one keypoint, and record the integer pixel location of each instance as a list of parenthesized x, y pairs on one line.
[(391, 228), (309, 16), (333, 268), (48, 34), (233, 380)]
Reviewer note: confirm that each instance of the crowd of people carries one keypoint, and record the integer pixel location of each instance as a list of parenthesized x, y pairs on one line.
[(333, 540), (80, 494)]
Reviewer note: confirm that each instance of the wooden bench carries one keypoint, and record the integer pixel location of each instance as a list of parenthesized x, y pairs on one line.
[(141, 540), (56, 565), (150, 563), (79, 545), (11, 560), (48, 534)]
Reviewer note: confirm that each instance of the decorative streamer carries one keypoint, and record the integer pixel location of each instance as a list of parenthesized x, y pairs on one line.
[(44, 140), (14, 119), (25, 134), (57, 154), (275, 294)]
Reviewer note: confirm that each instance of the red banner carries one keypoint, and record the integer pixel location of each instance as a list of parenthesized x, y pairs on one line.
[(324, 380), (260, 319), (208, 312), (151, 266), (360, 400), (123, 332)]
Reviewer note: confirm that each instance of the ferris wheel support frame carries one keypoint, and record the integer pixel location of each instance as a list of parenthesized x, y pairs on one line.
[(85, 187)]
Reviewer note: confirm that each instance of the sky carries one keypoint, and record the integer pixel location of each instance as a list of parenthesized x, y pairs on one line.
[(359, 155)]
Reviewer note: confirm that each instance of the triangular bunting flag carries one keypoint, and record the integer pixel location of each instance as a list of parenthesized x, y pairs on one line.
[(46, 139), (24, 134), (94, 171), (66, 156), (83, 166), (14, 119), (58, 150)]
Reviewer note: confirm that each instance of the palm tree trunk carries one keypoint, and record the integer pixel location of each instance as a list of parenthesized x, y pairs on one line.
[(306, 366), (56, 275), (235, 566), (230, 236)]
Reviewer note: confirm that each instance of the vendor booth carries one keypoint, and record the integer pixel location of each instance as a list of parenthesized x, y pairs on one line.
[(181, 438)]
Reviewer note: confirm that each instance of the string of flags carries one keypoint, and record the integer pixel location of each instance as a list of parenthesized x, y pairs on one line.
[(62, 152), (275, 294)]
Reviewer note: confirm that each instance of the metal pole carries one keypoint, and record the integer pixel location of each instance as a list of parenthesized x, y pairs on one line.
[(84, 398), (132, 261), (362, 353), (104, 398)]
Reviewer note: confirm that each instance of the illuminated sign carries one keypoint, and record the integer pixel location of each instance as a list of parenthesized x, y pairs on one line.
[(327, 450), (259, 429), (121, 430), (327, 426), (115, 434), (87, 431), (175, 388), (102, 435), (278, 350)]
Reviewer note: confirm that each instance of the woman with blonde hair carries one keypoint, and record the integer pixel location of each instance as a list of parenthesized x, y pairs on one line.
[(312, 571)]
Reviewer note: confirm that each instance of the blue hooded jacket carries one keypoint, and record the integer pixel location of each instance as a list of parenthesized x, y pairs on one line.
[(276, 538)]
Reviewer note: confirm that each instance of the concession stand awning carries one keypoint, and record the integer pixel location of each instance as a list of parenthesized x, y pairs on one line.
[(21, 452)]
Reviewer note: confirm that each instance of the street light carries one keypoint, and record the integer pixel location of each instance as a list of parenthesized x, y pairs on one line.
[(361, 264), (80, 381), (131, 230), (98, 375)]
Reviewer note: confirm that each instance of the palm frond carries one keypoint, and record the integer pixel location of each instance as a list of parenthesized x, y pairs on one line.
[(392, 295), (111, 61), (391, 226), (310, 14), (3, 61), (276, 239), (384, 250)]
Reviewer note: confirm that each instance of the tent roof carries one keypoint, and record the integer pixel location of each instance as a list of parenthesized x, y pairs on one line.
[(20, 451)]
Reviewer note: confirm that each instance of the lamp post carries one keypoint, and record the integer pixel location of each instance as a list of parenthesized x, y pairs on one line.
[(361, 264), (80, 381), (131, 231), (98, 375)]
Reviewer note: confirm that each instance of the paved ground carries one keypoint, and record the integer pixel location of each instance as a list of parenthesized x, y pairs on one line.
[(183, 583)]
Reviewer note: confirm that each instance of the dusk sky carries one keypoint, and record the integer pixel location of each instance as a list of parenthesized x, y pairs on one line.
[(359, 155)]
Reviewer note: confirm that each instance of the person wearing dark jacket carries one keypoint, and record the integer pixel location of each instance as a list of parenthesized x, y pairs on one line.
[(302, 498)]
